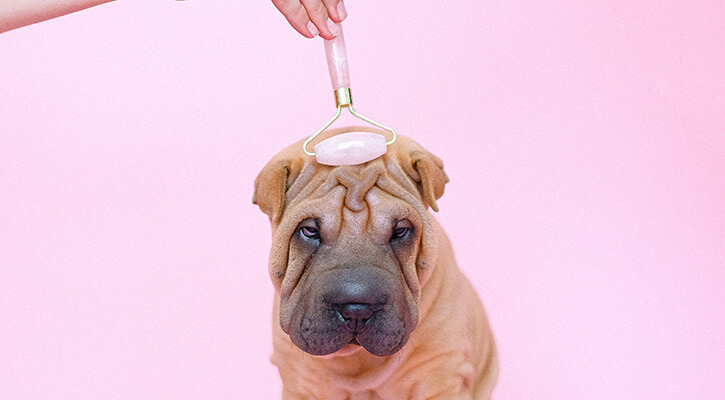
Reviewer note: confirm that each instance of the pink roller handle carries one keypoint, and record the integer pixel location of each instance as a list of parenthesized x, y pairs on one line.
[(337, 61)]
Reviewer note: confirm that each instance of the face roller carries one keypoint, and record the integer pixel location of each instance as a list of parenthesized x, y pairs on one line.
[(352, 147)]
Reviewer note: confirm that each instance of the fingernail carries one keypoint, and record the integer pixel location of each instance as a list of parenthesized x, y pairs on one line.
[(341, 11), (332, 26), (313, 29)]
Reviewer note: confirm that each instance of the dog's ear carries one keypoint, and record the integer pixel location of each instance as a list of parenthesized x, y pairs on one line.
[(271, 185), (427, 172)]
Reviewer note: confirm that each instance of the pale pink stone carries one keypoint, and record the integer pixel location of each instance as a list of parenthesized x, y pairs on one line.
[(350, 148), (337, 61)]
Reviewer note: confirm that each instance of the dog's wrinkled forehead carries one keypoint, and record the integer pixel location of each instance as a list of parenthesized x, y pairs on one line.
[(406, 171), (356, 180), (293, 187)]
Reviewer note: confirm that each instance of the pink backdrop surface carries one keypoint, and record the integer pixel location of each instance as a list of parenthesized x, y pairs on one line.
[(585, 142)]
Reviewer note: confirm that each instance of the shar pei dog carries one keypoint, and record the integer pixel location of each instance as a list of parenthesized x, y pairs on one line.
[(369, 302)]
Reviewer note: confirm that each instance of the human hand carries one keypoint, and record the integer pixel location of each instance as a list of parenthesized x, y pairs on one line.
[(313, 17), (18, 13)]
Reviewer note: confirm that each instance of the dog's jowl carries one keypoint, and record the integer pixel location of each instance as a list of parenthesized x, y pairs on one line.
[(369, 300)]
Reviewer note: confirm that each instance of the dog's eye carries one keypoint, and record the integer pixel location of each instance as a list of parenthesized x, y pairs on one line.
[(401, 230), (310, 232)]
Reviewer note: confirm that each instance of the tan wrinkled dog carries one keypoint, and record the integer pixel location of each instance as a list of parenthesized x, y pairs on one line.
[(369, 299)]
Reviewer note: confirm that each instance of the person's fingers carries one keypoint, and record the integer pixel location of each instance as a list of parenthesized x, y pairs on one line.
[(297, 17), (317, 13), (313, 17), (336, 9)]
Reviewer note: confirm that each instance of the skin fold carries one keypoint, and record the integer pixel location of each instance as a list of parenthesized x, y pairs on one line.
[(369, 300)]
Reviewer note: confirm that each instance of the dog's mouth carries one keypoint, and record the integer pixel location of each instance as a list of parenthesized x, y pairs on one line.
[(351, 316)]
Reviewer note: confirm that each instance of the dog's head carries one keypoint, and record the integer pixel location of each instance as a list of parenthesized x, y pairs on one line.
[(352, 246)]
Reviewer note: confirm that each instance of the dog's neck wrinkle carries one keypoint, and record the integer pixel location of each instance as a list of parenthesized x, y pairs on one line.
[(361, 370)]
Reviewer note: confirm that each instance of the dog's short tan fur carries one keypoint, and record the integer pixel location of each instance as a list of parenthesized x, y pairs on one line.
[(432, 310)]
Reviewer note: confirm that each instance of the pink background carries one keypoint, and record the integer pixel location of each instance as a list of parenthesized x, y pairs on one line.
[(585, 142)]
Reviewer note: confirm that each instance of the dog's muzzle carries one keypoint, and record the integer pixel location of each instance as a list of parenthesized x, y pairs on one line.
[(356, 305)]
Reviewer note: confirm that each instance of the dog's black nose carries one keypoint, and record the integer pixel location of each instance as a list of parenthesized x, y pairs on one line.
[(356, 311), (356, 302), (356, 315), (356, 296)]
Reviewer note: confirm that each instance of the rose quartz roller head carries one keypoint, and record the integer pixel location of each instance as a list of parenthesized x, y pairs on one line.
[(352, 147)]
